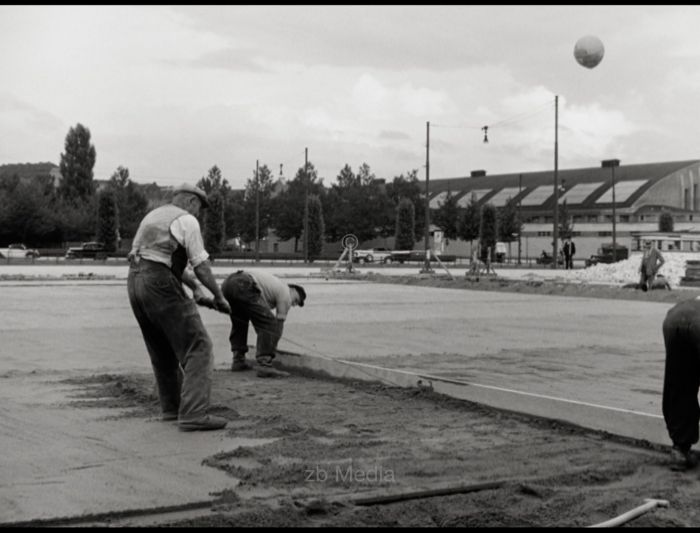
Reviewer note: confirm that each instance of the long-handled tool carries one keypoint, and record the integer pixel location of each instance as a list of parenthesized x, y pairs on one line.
[(634, 513)]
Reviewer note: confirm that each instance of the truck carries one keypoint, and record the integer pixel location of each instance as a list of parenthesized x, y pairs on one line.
[(18, 251), (604, 254)]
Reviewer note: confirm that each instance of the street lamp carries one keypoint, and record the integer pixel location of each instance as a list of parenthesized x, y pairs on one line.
[(555, 229), (426, 263), (612, 163)]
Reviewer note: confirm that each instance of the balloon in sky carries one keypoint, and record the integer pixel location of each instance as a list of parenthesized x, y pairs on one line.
[(589, 51)]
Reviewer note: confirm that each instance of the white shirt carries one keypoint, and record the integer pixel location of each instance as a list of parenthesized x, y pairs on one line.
[(185, 230)]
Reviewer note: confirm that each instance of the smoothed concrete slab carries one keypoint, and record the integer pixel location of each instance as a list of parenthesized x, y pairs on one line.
[(623, 422)]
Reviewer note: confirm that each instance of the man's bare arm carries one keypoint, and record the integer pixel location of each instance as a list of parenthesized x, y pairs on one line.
[(204, 274)]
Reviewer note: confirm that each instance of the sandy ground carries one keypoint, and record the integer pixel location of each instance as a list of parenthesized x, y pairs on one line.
[(302, 451), (328, 443)]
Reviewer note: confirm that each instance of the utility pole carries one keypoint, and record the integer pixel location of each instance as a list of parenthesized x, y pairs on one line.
[(612, 163), (257, 214), (426, 265), (555, 232), (306, 205), (520, 222)]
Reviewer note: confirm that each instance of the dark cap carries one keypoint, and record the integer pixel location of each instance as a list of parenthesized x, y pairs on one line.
[(301, 292), (187, 187)]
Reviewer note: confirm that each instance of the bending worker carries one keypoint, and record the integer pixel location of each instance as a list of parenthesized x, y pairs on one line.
[(252, 297), (167, 239)]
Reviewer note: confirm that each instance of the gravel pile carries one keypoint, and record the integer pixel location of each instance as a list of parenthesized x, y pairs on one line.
[(627, 271)]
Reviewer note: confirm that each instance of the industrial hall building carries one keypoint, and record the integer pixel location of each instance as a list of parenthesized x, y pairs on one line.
[(641, 193)]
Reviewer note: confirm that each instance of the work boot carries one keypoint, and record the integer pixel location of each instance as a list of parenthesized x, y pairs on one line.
[(206, 423), (266, 370), (239, 363), (682, 459)]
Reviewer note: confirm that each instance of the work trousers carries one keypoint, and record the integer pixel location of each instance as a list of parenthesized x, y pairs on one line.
[(647, 276), (179, 346), (249, 306), (681, 330)]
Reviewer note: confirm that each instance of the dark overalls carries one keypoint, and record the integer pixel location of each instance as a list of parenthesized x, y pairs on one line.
[(681, 330), (174, 334)]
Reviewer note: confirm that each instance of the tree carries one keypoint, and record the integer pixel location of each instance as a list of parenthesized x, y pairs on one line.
[(405, 223), (316, 228), (469, 223), (289, 205), (213, 181), (107, 220), (76, 166), (566, 227), (358, 205), (214, 225), (132, 204), (408, 187), (27, 211), (488, 231), (258, 199), (76, 223), (666, 222), (446, 216), (232, 202), (508, 223)]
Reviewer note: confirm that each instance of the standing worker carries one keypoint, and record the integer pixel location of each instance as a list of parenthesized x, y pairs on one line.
[(569, 250), (652, 261), (167, 239), (681, 330), (252, 297)]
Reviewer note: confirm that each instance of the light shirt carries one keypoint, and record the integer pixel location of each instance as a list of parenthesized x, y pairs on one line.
[(274, 291), (185, 230)]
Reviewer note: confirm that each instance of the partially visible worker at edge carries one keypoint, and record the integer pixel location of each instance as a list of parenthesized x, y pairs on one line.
[(167, 239)]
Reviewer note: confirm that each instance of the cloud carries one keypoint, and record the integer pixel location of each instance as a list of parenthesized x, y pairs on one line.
[(393, 135), (227, 59)]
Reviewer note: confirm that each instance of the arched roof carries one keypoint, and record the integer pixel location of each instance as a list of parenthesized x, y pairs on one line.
[(582, 187)]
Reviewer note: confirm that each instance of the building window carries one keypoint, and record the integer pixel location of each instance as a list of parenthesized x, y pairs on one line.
[(275, 247), (624, 218), (686, 198), (695, 196)]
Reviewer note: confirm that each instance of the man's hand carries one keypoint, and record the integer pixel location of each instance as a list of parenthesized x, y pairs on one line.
[(205, 301), (221, 305)]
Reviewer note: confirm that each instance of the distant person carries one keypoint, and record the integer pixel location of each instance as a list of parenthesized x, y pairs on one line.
[(569, 250), (167, 239), (475, 264), (681, 331), (652, 261), (265, 300)]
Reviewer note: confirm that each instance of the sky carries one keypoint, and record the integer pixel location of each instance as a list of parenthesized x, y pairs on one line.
[(168, 92)]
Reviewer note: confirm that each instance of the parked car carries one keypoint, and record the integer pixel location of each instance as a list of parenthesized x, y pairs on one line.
[(604, 254), (17, 250), (546, 259), (418, 256), (87, 250), (379, 255)]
